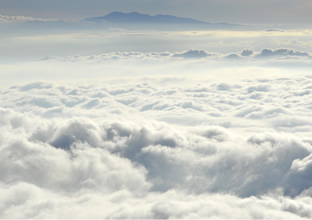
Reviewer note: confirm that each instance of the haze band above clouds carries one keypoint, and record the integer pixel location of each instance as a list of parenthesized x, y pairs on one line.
[(150, 149)]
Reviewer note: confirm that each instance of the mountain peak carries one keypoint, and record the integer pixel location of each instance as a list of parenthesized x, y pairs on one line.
[(138, 20), (135, 17)]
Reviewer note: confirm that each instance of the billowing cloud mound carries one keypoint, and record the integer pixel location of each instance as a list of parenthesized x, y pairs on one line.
[(157, 150), (247, 52), (282, 52), (193, 54)]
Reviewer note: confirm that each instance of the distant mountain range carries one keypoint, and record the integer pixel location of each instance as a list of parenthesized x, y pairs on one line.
[(135, 18)]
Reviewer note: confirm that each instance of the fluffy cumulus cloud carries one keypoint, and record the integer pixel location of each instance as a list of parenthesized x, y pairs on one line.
[(282, 52), (148, 149), (193, 54)]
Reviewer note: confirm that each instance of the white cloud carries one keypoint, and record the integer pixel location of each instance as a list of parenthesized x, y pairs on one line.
[(283, 52), (4, 19), (247, 52), (194, 54), (41, 203), (149, 149), (155, 134)]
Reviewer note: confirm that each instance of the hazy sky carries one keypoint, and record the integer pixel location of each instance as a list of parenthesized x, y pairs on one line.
[(238, 11)]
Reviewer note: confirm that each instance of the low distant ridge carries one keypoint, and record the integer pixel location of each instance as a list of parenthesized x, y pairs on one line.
[(135, 17)]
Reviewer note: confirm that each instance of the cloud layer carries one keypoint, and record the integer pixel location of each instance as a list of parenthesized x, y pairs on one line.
[(5, 19), (157, 149), (274, 54)]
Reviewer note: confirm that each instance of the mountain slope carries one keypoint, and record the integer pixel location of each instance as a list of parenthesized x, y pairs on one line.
[(135, 17)]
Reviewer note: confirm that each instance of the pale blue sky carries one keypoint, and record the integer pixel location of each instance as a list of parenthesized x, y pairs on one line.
[(234, 11)]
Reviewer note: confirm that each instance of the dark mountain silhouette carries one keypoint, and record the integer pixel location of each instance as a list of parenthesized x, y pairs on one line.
[(135, 18)]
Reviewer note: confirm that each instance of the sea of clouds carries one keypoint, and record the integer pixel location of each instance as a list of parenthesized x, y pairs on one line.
[(158, 146), (282, 53)]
